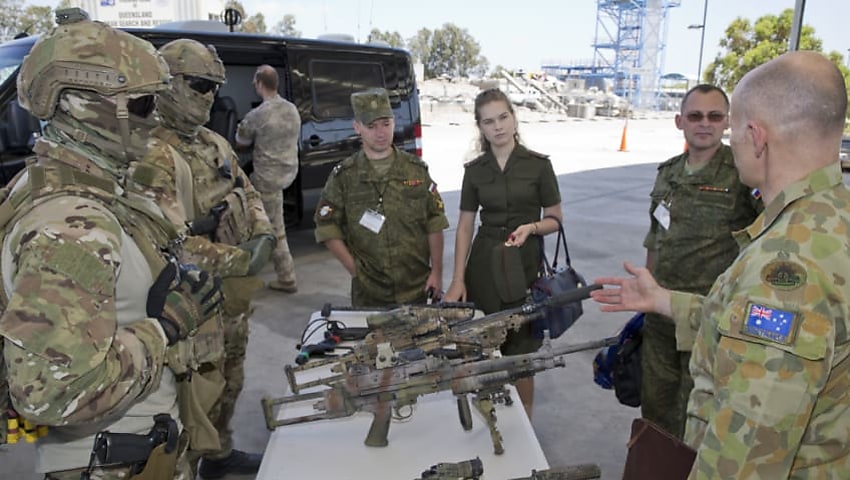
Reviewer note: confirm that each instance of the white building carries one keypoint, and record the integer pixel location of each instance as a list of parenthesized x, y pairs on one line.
[(149, 13)]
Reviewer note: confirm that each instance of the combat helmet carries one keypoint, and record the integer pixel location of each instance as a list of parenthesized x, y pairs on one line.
[(81, 54), (192, 58), (198, 72)]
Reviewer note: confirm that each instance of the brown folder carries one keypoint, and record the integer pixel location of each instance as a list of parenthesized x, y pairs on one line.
[(655, 454)]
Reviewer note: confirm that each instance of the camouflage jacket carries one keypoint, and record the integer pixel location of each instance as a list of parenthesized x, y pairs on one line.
[(81, 353), (705, 207), (273, 128), (396, 260), (772, 352), (185, 186)]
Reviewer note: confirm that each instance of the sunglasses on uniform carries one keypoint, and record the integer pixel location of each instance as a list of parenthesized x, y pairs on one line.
[(200, 85), (713, 117)]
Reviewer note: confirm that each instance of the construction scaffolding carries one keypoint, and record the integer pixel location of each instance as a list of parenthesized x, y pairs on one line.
[(630, 40), (628, 47)]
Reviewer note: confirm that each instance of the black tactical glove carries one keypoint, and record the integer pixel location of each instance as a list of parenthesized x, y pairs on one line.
[(261, 248), (182, 298)]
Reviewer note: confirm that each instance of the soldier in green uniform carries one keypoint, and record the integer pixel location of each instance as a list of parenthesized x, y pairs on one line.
[(211, 192), (697, 202), (381, 216), (101, 327), (511, 185), (771, 349)]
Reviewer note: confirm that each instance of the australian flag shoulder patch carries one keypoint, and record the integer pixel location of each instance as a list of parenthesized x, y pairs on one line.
[(770, 323)]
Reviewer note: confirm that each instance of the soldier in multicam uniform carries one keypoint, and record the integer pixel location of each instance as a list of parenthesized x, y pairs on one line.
[(771, 347), (95, 307), (381, 216), (697, 202), (273, 129), (211, 192)]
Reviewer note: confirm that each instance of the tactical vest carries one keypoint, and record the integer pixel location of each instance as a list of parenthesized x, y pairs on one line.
[(141, 222), (215, 185)]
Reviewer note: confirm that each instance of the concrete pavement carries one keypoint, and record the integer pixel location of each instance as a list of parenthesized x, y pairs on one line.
[(606, 217)]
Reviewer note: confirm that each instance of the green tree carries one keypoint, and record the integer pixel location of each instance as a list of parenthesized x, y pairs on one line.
[(747, 45), (454, 51), (420, 45), (254, 24), (15, 18), (286, 26), (393, 39)]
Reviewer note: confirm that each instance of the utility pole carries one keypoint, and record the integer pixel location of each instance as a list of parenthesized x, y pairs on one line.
[(702, 38)]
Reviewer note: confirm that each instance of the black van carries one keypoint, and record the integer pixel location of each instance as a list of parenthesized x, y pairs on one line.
[(318, 76)]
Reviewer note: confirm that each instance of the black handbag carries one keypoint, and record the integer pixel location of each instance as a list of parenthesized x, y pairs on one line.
[(552, 281)]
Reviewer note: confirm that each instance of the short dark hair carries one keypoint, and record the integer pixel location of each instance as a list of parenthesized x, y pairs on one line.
[(704, 88)]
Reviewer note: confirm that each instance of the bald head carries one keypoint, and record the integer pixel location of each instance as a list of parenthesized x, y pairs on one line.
[(797, 92)]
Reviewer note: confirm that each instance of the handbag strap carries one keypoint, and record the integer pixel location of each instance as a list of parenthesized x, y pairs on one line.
[(562, 240)]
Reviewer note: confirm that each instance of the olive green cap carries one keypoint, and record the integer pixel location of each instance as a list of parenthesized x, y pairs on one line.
[(371, 105)]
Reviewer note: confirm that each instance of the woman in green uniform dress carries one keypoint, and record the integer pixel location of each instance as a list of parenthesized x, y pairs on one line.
[(512, 186)]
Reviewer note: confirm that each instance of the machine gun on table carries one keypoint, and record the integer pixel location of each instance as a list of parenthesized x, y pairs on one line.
[(473, 470), (445, 330), (465, 470), (385, 391)]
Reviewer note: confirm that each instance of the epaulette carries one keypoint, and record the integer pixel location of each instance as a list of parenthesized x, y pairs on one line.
[(672, 161), (348, 162), (413, 159), (474, 161), (537, 154)]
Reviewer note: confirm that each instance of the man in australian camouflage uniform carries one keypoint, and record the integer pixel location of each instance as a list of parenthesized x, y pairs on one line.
[(214, 195), (273, 128), (381, 216), (771, 348), (697, 202), (94, 309)]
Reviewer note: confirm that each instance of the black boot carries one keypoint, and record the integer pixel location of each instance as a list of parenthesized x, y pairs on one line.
[(237, 463)]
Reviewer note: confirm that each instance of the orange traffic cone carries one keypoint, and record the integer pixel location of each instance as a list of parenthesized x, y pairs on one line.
[(623, 139)]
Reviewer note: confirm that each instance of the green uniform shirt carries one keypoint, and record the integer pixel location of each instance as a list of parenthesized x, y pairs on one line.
[(507, 198), (771, 393), (393, 264), (705, 208)]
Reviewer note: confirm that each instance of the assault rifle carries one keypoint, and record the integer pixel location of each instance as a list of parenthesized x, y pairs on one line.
[(575, 472), (385, 391), (429, 329)]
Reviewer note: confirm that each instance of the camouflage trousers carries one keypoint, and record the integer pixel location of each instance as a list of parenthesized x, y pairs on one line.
[(666, 381), (221, 414), (282, 258)]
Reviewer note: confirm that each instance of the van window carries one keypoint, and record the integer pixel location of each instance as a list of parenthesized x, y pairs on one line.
[(333, 82)]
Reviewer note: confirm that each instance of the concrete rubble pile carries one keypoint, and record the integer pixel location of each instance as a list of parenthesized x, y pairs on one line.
[(537, 97)]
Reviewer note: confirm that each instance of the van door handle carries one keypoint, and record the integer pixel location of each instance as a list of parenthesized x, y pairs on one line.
[(315, 140)]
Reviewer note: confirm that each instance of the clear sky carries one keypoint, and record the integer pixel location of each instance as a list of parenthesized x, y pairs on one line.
[(525, 34)]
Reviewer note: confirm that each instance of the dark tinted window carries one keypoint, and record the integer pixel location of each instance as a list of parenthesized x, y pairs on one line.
[(333, 82)]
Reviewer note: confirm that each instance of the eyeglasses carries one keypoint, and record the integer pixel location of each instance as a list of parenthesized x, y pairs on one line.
[(201, 85), (713, 117)]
